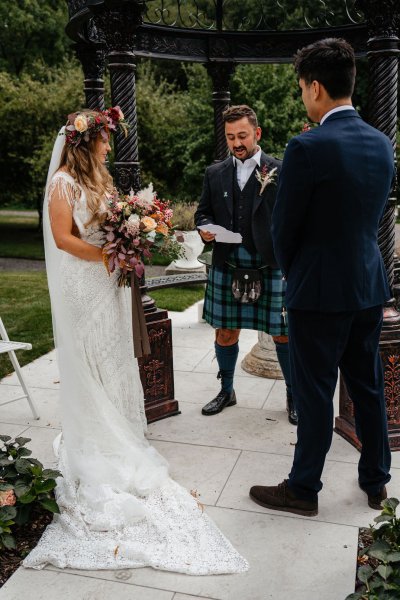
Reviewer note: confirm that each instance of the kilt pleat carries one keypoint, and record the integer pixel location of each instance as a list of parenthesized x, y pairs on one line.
[(221, 309)]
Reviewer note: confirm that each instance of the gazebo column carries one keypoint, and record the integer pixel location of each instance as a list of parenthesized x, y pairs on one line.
[(118, 21), (220, 73), (383, 20), (92, 59)]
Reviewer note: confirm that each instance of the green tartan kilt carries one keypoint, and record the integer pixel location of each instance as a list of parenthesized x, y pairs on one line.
[(221, 309)]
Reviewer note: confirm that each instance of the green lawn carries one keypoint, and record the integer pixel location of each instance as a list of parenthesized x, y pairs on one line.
[(20, 237), (25, 310)]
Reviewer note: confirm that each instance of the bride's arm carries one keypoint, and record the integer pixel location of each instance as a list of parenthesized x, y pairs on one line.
[(62, 226)]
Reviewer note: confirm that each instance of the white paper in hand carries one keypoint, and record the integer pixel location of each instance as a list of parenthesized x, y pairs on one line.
[(222, 235)]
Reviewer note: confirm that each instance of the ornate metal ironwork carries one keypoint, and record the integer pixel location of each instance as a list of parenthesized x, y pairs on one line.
[(220, 73), (243, 47), (92, 58), (116, 22), (167, 281), (252, 15)]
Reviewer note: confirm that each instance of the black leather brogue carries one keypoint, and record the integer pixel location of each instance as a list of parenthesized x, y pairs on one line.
[(220, 401), (291, 409)]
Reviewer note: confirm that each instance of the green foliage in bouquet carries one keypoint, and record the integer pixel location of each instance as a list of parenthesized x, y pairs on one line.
[(383, 581), (24, 486)]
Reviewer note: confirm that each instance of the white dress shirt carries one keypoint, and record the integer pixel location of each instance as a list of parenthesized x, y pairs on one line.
[(335, 110), (245, 169)]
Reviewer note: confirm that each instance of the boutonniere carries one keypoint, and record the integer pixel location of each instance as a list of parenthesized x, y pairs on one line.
[(265, 177)]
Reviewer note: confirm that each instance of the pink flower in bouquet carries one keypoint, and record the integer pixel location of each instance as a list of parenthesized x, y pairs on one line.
[(7, 498), (136, 224)]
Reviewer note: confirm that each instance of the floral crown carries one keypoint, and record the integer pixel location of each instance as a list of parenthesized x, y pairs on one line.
[(83, 126)]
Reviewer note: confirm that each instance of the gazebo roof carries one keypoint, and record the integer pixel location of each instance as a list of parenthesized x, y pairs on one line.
[(217, 30)]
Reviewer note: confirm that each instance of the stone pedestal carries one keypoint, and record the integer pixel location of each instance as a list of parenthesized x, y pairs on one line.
[(262, 360), (173, 269)]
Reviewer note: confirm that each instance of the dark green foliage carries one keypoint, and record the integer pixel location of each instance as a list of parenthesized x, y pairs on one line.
[(32, 32), (27, 484), (383, 581)]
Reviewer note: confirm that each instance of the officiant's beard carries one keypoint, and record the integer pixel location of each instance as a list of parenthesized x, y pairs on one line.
[(247, 152)]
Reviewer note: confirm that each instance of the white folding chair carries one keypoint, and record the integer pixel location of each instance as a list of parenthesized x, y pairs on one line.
[(6, 345)]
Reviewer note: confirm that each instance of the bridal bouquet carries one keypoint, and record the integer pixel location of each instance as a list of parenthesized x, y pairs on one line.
[(136, 226)]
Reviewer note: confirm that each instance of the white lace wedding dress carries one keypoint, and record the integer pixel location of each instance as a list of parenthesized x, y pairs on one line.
[(119, 508)]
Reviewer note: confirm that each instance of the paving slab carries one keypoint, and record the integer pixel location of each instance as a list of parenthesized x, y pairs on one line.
[(185, 337), (56, 585), (186, 359), (186, 597), (40, 373), (19, 412), (12, 430), (340, 501), (289, 558), (41, 444), (199, 469), (235, 427)]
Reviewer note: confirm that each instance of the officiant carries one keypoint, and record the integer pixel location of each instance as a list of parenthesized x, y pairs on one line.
[(245, 288)]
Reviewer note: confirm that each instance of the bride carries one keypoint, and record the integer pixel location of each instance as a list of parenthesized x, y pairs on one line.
[(118, 506)]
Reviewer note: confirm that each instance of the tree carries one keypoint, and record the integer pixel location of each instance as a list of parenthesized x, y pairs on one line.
[(32, 31)]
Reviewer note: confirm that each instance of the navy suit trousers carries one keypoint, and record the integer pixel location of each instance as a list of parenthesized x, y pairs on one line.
[(320, 344)]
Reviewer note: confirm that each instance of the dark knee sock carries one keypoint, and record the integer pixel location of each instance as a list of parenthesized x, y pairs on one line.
[(282, 351), (226, 358)]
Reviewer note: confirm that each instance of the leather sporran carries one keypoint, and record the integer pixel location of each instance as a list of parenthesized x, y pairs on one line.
[(247, 285)]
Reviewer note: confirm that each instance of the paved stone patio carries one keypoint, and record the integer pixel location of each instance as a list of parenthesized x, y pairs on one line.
[(221, 457)]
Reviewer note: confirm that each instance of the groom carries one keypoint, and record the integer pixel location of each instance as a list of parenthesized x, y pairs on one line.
[(333, 189), (239, 195)]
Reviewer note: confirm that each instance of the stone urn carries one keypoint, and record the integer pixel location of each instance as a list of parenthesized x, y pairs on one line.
[(192, 246)]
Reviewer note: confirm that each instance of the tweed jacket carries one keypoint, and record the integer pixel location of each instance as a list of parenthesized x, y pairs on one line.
[(216, 206)]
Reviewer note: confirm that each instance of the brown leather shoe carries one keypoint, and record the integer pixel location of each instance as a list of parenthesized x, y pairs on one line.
[(376, 500), (280, 497)]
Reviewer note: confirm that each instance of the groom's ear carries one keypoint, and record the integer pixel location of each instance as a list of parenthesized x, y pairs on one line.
[(258, 133)]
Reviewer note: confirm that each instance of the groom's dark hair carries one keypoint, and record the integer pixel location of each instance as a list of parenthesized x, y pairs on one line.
[(331, 62), (234, 113)]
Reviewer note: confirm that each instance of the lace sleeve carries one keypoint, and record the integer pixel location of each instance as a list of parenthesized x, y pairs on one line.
[(62, 189)]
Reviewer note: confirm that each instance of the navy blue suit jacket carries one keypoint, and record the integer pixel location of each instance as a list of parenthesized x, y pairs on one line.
[(333, 189)]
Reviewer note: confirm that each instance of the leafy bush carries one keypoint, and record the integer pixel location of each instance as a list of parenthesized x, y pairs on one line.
[(24, 486), (381, 582), (183, 219)]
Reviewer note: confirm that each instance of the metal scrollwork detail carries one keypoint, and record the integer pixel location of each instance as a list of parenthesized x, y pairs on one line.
[(155, 380), (392, 387), (75, 6), (257, 15), (382, 16), (156, 335)]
